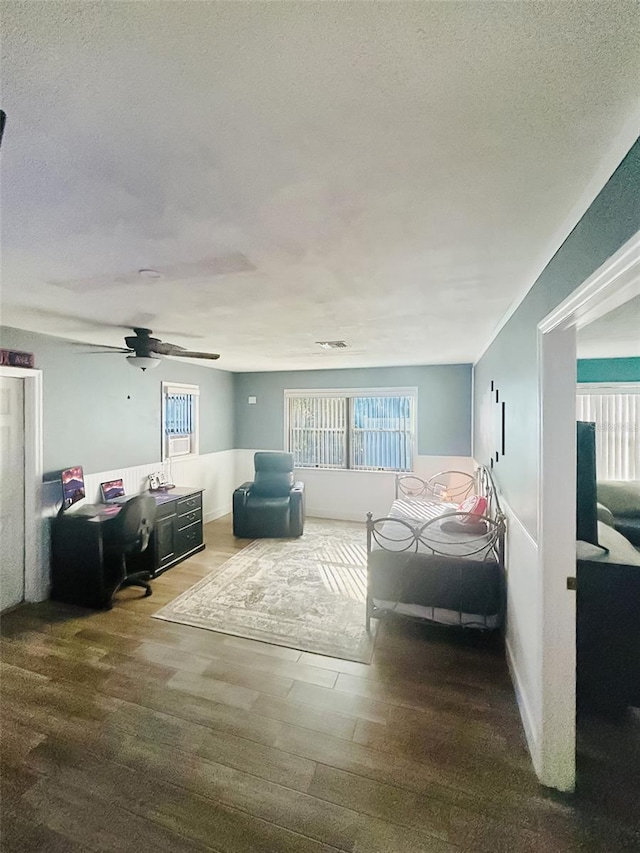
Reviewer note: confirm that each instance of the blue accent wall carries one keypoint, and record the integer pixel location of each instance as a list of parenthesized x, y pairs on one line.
[(511, 360), (102, 414), (444, 403), (609, 369)]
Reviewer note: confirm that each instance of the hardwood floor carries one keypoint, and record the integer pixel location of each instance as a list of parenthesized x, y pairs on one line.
[(125, 733)]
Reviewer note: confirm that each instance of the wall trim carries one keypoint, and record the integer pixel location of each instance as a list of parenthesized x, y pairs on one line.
[(612, 284), (217, 512), (608, 388), (513, 518), (531, 731), (609, 163), (36, 563), (333, 515)]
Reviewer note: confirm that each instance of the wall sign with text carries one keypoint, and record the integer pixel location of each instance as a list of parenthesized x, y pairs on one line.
[(15, 358)]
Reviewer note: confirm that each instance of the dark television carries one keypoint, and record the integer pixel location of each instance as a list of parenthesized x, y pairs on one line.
[(72, 486), (586, 489)]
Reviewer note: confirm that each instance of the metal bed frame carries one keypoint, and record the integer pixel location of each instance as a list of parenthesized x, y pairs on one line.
[(408, 534)]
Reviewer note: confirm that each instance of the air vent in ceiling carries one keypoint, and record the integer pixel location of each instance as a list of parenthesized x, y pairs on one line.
[(332, 344)]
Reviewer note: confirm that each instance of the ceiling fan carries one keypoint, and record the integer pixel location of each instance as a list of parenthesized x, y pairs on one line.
[(145, 352)]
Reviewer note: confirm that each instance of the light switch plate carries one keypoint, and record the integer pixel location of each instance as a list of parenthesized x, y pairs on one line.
[(252, 400)]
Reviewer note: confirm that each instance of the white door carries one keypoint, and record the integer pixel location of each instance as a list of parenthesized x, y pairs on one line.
[(11, 491)]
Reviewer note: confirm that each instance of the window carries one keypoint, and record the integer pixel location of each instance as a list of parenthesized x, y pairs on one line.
[(361, 430), (180, 422), (616, 412)]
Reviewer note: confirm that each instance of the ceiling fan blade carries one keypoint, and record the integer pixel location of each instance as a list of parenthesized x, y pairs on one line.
[(188, 354), (98, 348), (165, 349)]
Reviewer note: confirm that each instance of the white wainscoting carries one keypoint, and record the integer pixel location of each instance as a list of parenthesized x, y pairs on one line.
[(212, 472), (350, 495), (523, 627)]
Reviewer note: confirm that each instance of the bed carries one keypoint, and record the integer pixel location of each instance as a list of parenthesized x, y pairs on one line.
[(433, 558)]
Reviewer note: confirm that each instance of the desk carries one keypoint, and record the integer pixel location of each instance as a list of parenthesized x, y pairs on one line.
[(78, 571)]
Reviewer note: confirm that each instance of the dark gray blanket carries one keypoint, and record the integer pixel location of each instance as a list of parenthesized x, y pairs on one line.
[(456, 578)]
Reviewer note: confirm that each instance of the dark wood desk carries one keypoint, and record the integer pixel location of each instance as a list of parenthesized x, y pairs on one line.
[(78, 572)]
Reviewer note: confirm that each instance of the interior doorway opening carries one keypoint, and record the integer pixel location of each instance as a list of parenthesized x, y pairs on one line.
[(613, 284), (36, 564)]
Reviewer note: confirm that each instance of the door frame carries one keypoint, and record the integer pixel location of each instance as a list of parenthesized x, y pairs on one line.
[(36, 573), (610, 286)]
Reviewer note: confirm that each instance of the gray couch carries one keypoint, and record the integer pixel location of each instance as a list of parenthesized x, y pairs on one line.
[(619, 507)]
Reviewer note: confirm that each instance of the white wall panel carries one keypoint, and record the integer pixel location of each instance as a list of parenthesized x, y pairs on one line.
[(523, 628), (350, 495)]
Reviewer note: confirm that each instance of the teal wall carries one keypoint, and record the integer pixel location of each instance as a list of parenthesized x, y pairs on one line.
[(102, 414), (609, 369), (511, 360), (444, 403)]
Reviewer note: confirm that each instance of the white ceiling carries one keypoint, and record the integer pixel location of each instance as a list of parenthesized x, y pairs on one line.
[(389, 174), (615, 335)]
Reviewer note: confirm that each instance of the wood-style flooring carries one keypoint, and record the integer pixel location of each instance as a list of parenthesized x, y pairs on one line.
[(126, 733)]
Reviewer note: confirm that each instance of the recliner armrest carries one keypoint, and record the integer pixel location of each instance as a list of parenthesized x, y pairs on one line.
[(245, 488)]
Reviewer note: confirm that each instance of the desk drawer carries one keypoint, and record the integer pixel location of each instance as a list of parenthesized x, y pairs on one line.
[(189, 537), (190, 503), (165, 509), (189, 518)]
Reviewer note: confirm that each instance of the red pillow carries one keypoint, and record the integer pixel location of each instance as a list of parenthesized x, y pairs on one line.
[(475, 506)]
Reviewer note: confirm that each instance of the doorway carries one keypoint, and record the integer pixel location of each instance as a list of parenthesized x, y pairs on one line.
[(12, 476), (613, 284), (35, 574)]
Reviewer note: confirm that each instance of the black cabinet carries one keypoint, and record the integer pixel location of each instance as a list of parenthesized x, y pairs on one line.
[(165, 534), (608, 624), (178, 530)]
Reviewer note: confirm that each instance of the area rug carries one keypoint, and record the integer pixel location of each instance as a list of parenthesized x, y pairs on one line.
[(307, 593)]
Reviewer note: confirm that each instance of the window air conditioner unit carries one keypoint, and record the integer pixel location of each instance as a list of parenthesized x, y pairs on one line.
[(179, 445)]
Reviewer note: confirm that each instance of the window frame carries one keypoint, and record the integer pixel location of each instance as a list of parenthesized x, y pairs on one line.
[(349, 393), (167, 389)]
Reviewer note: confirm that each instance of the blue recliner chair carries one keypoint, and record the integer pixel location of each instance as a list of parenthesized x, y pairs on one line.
[(272, 505)]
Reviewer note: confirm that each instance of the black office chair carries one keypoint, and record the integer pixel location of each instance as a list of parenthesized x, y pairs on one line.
[(272, 505), (128, 535)]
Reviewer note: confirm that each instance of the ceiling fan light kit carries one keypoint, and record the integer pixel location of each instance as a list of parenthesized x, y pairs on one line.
[(143, 362)]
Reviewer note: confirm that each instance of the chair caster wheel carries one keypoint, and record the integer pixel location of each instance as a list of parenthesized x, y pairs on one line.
[(148, 592)]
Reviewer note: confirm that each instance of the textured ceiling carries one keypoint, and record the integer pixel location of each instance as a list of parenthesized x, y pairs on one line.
[(615, 335), (393, 175)]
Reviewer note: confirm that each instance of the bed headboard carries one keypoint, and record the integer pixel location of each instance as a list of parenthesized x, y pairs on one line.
[(446, 486), (413, 487)]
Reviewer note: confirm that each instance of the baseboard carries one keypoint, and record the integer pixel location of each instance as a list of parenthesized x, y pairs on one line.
[(528, 722), (332, 515), (218, 512)]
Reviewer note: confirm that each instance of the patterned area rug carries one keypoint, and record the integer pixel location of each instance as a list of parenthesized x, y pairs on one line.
[(307, 593)]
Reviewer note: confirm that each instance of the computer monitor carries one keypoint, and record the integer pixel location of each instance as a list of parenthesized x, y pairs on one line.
[(111, 489), (72, 486)]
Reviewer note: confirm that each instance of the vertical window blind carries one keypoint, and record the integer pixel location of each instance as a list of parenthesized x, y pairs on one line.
[(179, 419), (179, 414), (617, 419), (368, 432)]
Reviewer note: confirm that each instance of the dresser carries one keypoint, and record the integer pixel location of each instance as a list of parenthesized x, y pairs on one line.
[(608, 624), (178, 529)]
